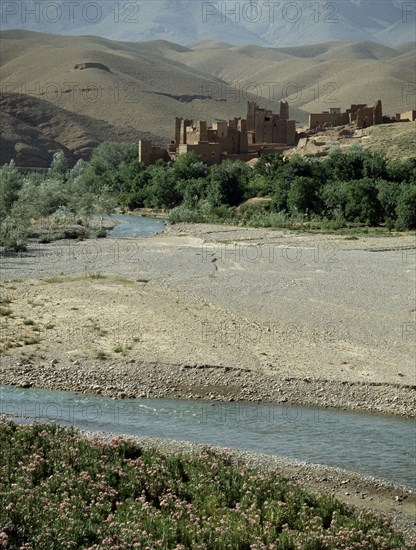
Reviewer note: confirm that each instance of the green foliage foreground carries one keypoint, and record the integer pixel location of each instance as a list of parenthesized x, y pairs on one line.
[(59, 489)]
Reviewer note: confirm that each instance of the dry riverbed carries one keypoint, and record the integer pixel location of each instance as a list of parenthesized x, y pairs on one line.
[(218, 313)]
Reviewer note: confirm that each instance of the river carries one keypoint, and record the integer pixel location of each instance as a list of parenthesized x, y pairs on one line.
[(379, 445), (135, 226)]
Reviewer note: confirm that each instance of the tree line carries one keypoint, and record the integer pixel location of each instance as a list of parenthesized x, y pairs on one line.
[(357, 187)]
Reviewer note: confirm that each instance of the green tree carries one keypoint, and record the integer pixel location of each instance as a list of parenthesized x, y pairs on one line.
[(53, 195), (14, 231), (161, 191), (29, 196), (291, 170), (374, 165), (109, 156), (259, 186), (362, 204), (10, 184), (346, 166), (334, 198), (401, 170), (124, 179), (406, 209), (388, 193), (304, 196), (228, 183), (104, 205), (80, 195), (192, 191), (78, 170), (59, 167), (189, 166), (106, 161), (269, 166), (281, 188)]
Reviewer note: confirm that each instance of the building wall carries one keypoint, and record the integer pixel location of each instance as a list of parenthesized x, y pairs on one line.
[(284, 110), (352, 112), (208, 152), (319, 119), (370, 115), (290, 132), (148, 154), (409, 115), (360, 114)]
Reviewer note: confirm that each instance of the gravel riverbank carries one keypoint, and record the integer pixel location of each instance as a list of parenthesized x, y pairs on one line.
[(219, 313), (128, 379)]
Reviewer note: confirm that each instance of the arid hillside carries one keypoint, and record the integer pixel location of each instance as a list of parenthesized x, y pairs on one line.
[(34, 129), (71, 93), (393, 140)]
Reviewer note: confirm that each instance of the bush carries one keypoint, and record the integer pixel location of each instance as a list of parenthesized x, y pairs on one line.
[(228, 183), (303, 196), (13, 234), (276, 220), (388, 194), (62, 490), (161, 191), (10, 184), (361, 202), (189, 166), (406, 209), (185, 214), (259, 186), (77, 234)]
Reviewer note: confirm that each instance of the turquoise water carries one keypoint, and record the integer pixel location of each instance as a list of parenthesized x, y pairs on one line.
[(374, 444), (135, 226)]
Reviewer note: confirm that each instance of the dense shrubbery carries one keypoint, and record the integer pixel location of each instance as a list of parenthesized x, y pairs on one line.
[(359, 187), (60, 490), (75, 194)]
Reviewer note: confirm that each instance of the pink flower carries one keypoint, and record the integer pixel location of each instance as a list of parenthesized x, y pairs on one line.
[(4, 539)]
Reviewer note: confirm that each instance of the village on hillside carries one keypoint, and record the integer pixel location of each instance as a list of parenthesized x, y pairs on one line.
[(262, 132)]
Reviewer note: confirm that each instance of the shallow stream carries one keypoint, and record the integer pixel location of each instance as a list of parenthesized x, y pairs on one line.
[(135, 226), (374, 444)]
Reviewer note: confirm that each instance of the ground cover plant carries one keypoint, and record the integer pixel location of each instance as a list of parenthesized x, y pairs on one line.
[(59, 489)]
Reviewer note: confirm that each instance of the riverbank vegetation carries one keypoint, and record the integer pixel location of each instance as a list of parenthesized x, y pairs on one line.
[(359, 189), (59, 489)]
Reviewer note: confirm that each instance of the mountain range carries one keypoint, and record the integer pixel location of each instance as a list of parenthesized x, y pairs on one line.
[(260, 22)]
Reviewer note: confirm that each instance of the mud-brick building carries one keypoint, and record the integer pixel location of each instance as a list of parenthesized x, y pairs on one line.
[(262, 132), (264, 126), (151, 153), (408, 116), (361, 115)]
